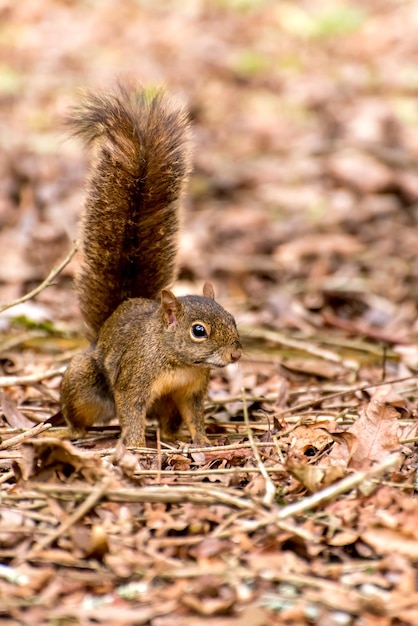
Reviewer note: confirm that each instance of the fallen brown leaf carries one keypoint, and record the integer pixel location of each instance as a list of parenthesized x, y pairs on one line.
[(387, 540), (14, 417), (209, 596), (49, 456), (376, 431), (315, 477)]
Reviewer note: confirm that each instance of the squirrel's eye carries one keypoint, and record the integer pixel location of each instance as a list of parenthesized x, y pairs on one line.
[(198, 331)]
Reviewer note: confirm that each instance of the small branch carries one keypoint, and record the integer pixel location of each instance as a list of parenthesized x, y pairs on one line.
[(361, 387), (159, 456), (90, 502), (30, 379), (187, 450), (6, 476), (208, 472), (303, 346), (270, 488), (46, 283), (28, 434), (175, 494), (346, 484)]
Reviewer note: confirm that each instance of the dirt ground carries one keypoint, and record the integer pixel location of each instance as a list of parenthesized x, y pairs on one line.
[(302, 210)]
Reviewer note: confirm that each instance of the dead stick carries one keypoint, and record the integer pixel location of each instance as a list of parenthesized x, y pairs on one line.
[(209, 472), (201, 494), (337, 394), (270, 487), (305, 346), (94, 497), (30, 379), (28, 434), (346, 484), (45, 283)]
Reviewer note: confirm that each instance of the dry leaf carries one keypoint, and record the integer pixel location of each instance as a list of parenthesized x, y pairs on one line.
[(313, 367), (210, 597), (52, 455), (14, 417), (361, 171), (92, 542), (376, 431), (343, 537), (318, 244), (309, 436), (315, 477), (342, 452), (14, 525), (387, 540), (179, 462)]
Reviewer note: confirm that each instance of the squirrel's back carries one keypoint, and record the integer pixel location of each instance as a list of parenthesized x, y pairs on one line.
[(131, 218)]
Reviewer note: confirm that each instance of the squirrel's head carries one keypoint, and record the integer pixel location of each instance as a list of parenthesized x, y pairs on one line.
[(198, 330)]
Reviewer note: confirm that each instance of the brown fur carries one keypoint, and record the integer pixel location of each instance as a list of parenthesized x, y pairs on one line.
[(131, 217), (145, 357)]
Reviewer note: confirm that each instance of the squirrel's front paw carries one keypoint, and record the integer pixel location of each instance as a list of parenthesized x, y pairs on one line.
[(201, 440), (132, 441)]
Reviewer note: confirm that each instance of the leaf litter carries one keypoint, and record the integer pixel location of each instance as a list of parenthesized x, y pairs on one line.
[(302, 211)]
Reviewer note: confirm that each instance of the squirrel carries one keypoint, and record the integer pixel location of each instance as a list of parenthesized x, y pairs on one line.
[(150, 352)]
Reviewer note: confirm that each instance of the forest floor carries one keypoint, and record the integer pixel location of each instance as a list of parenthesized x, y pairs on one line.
[(302, 210)]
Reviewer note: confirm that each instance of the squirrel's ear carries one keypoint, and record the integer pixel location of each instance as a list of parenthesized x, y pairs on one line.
[(208, 290), (171, 307)]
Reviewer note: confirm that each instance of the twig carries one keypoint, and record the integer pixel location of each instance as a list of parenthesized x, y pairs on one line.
[(360, 328), (329, 588), (304, 346), (346, 484), (174, 494), (28, 434), (46, 283), (91, 501), (355, 344), (30, 379), (209, 472), (6, 476), (159, 457), (270, 488), (7, 345), (337, 394), (219, 449), (221, 531)]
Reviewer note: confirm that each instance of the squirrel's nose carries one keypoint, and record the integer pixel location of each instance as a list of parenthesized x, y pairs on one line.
[(235, 355)]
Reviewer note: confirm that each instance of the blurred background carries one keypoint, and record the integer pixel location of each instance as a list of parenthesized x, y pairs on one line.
[(303, 201)]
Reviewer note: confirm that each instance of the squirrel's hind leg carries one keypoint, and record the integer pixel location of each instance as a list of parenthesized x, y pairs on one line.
[(85, 394)]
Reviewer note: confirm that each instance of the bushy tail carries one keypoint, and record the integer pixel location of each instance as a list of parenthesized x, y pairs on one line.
[(131, 217)]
